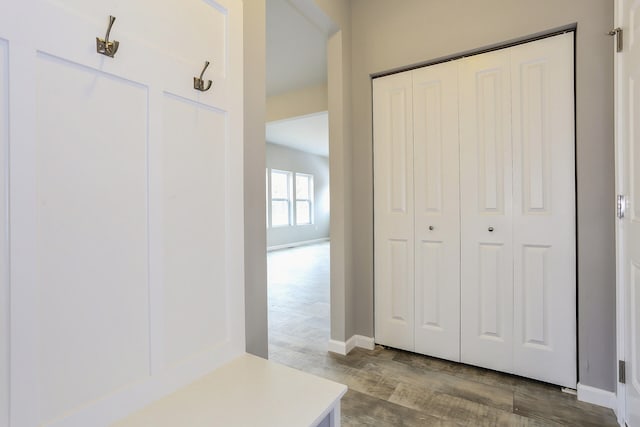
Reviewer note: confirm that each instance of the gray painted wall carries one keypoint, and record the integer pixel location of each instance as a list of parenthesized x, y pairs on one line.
[(285, 158), (340, 164), (255, 235), (387, 35)]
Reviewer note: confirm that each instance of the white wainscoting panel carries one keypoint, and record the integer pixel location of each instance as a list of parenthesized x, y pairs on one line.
[(195, 236), (92, 290)]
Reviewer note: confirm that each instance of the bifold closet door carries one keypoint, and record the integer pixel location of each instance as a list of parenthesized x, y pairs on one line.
[(394, 208), (437, 211), (518, 211), (485, 194), (474, 177), (544, 220)]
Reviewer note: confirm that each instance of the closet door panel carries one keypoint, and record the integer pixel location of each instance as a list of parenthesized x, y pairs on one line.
[(437, 211), (544, 210), (486, 198), (394, 207)]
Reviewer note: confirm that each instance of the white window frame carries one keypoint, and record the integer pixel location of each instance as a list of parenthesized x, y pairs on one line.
[(288, 200), (309, 200)]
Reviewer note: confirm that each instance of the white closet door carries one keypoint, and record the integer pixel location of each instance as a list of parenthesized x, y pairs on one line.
[(628, 164), (486, 199), (544, 227), (437, 211), (394, 207)]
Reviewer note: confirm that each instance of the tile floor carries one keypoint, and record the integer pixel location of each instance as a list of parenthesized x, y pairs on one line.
[(389, 387)]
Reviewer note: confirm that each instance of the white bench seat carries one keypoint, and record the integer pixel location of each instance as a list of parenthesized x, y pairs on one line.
[(246, 392)]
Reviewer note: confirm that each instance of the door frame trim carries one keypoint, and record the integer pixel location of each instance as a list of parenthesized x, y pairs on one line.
[(484, 49), (621, 285)]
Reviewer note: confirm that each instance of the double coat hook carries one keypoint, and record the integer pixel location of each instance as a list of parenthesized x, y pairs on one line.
[(198, 83), (104, 46)]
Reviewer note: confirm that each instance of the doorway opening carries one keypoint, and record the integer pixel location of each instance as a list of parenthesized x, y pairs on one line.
[(297, 181)]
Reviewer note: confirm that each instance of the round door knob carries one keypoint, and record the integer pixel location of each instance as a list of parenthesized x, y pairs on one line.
[(431, 228), (490, 229)]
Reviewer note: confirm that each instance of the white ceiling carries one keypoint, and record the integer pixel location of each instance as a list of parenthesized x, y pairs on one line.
[(306, 133), (296, 46), (297, 33)]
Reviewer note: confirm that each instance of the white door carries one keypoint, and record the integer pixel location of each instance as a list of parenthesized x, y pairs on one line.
[(437, 211), (486, 211), (125, 203), (394, 208), (544, 220), (628, 164)]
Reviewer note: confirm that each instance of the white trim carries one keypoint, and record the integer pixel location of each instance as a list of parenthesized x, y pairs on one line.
[(345, 348), (365, 342), (296, 244), (338, 347), (619, 112), (597, 396)]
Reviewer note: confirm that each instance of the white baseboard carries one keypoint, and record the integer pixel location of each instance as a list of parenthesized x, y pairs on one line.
[(365, 342), (597, 396), (338, 347), (345, 348), (296, 244)]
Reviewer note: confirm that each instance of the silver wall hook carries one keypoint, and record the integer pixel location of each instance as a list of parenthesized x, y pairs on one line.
[(104, 46), (198, 83)]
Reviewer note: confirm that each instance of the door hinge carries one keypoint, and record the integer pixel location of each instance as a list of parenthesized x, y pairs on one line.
[(621, 206), (621, 371), (618, 33)]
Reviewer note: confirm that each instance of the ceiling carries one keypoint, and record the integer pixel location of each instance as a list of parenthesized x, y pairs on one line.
[(297, 33), (296, 46), (306, 133)]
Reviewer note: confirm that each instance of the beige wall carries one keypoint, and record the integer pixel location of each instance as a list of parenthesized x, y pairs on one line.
[(388, 35), (301, 102), (255, 243)]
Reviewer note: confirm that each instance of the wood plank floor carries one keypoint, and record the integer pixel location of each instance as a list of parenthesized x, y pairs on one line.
[(389, 387)]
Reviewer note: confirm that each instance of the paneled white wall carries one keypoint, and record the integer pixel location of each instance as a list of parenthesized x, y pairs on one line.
[(195, 299), (126, 204), (90, 243)]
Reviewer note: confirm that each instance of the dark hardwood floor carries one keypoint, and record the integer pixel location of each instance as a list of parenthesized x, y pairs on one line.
[(389, 387)]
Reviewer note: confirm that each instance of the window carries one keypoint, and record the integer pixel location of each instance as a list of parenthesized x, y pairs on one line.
[(280, 198), (289, 198), (304, 199)]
